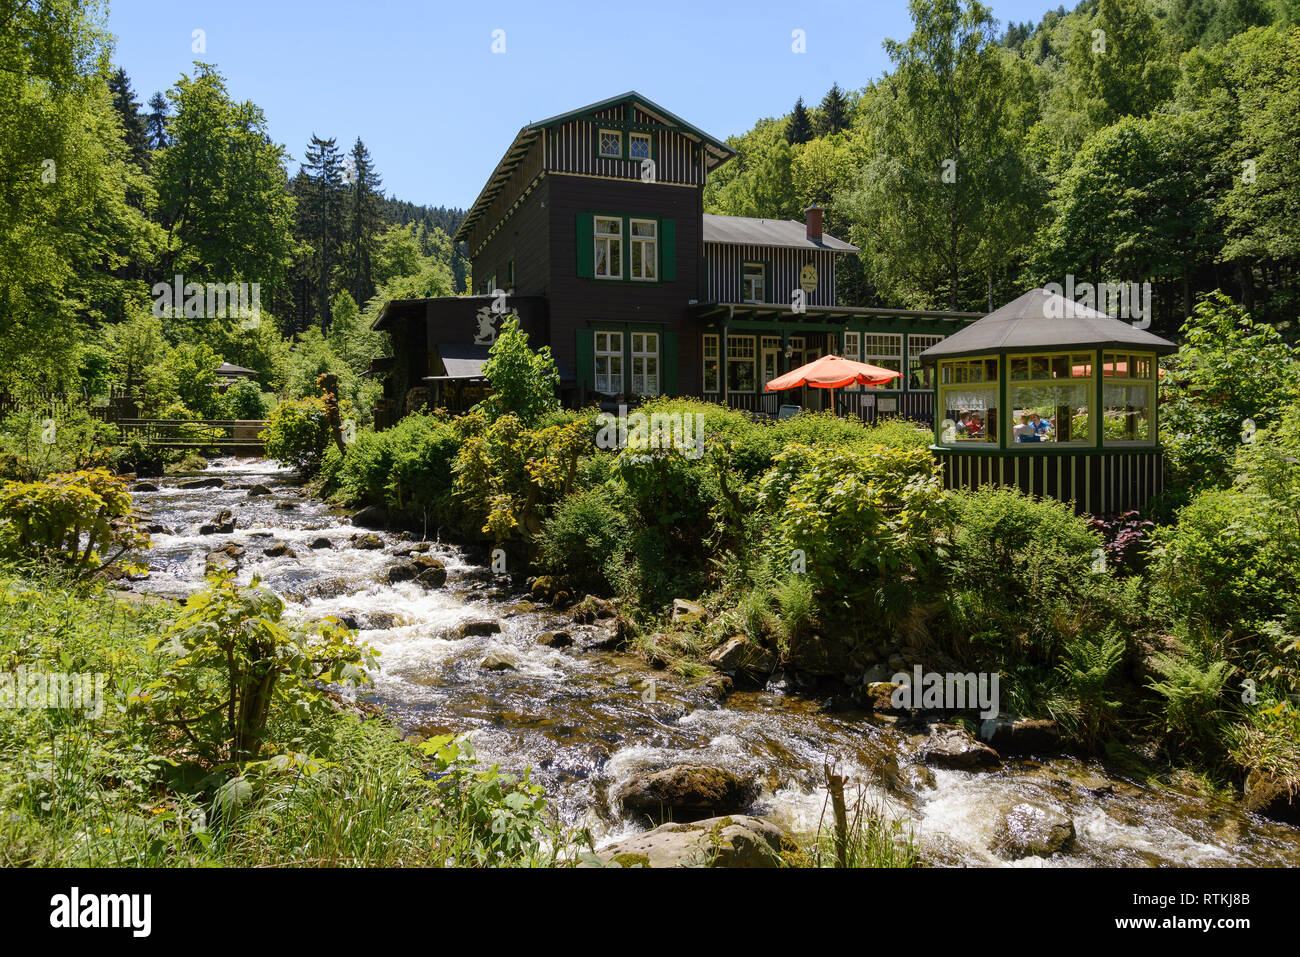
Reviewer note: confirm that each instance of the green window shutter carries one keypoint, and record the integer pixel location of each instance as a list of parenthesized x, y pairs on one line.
[(668, 250), (668, 363), (586, 357), (586, 247)]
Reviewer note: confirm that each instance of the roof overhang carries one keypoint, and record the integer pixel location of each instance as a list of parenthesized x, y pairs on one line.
[(711, 311)]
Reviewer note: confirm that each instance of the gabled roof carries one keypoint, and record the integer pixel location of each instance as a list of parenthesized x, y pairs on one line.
[(786, 233), (717, 152), (1045, 320)]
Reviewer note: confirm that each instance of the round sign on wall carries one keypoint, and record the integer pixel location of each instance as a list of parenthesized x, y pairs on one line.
[(808, 278)]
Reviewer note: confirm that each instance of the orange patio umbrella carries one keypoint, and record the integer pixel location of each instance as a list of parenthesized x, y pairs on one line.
[(832, 372)]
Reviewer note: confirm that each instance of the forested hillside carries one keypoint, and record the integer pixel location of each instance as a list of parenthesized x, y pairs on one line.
[(106, 197), (1125, 141)]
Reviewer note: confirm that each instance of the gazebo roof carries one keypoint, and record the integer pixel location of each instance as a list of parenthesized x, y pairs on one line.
[(1042, 321)]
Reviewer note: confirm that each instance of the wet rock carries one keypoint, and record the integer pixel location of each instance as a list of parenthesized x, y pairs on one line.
[(258, 490), (202, 483), (482, 627), (367, 541), (432, 576), (953, 748), (1021, 736), (223, 523), (780, 683), (738, 653), (1033, 830), (497, 663), (400, 573), (918, 777), (286, 506), (519, 608), (372, 516), (158, 529), (719, 687), (686, 792), (735, 841), (687, 611), (592, 609), (279, 550), (379, 620), (320, 543), (879, 696), (144, 487), (406, 551), (543, 588), (421, 562), (555, 639)]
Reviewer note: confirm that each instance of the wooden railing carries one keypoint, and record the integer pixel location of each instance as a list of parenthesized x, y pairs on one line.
[(234, 434)]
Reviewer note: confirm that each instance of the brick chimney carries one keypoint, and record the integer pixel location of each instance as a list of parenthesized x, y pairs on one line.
[(813, 218)]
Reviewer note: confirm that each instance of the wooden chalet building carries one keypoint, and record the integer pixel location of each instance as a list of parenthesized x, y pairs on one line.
[(592, 227)]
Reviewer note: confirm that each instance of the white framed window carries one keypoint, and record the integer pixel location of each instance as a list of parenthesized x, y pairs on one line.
[(645, 363), (611, 144), (609, 247), (884, 349), (919, 377), (709, 351), (638, 146), (753, 282), (853, 346), (609, 362), (644, 249), (740, 364)]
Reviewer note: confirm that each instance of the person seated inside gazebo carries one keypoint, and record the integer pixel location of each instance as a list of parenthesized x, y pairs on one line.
[(975, 424), (1042, 428), (1025, 431)]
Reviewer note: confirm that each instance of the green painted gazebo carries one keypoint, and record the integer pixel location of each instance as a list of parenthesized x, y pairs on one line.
[(1052, 397)]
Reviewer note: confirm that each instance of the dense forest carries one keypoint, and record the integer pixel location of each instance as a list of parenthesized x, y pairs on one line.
[(107, 197), (1126, 141)]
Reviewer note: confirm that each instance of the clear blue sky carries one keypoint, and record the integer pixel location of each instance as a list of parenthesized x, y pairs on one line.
[(418, 81)]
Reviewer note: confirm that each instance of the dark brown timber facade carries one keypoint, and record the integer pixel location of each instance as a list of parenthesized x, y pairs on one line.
[(592, 230)]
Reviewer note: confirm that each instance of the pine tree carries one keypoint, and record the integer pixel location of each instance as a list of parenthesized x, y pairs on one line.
[(800, 127), (155, 122), (323, 215), (365, 217), (133, 126), (834, 116)]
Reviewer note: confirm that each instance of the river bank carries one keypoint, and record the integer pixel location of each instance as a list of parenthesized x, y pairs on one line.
[(590, 721)]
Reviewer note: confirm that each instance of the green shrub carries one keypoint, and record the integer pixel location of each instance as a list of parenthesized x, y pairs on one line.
[(1231, 563), (868, 523), (43, 436), (584, 541), (81, 520), (297, 434), (524, 381), (244, 400)]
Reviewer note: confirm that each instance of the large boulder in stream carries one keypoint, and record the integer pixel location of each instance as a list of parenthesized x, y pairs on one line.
[(367, 541), (201, 483), (258, 490), (735, 841), (953, 748), (223, 523), (372, 516), (686, 792), (480, 628), (739, 654), (1021, 736), (1033, 830)]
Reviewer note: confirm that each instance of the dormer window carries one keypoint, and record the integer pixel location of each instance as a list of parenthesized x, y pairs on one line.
[(609, 247), (638, 146), (611, 144)]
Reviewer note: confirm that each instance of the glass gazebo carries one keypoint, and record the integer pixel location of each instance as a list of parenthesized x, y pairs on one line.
[(1052, 397)]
